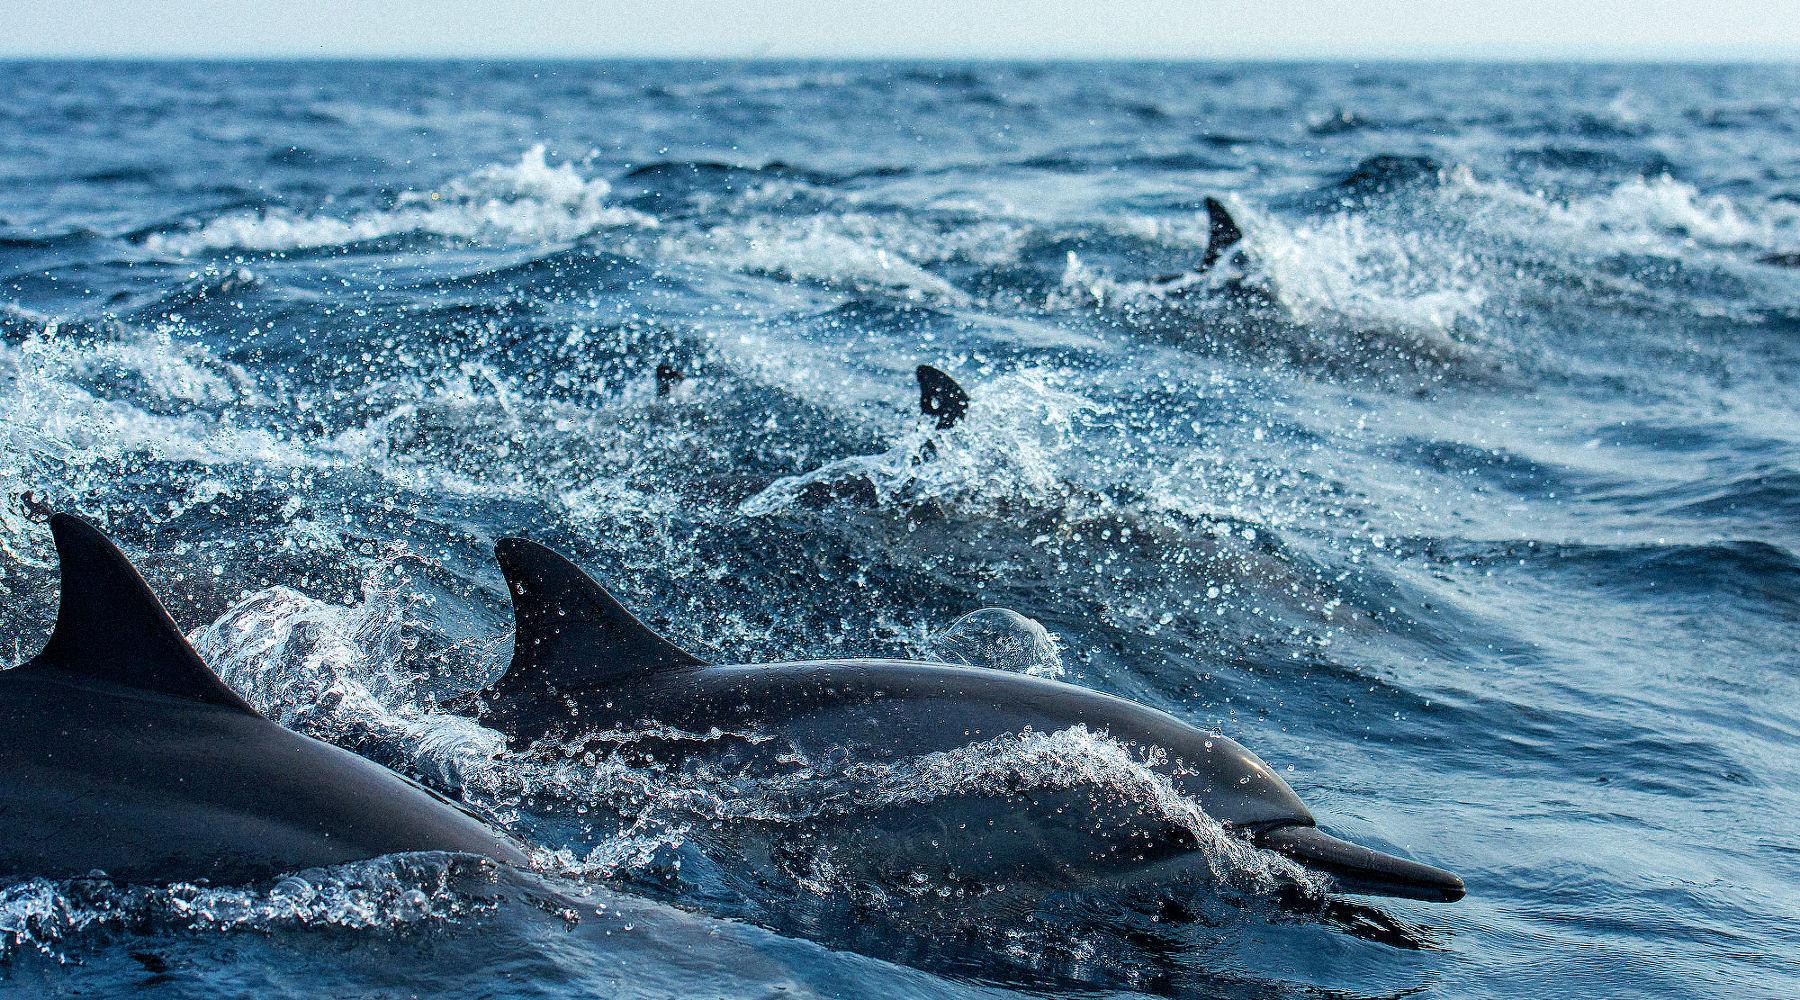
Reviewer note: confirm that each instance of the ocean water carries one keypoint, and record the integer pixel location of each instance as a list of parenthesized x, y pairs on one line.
[(1481, 522)]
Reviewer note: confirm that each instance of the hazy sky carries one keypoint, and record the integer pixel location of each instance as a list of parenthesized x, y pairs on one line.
[(1601, 29)]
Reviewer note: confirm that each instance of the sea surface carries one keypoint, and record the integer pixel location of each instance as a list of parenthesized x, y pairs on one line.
[(1481, 523)]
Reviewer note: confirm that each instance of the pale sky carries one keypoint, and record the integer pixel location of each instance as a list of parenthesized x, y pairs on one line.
[(735, 29)]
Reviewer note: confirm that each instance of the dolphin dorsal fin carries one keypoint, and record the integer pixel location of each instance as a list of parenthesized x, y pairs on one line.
[(941, 397), (111, 627), (570, 632), (1222, 233)]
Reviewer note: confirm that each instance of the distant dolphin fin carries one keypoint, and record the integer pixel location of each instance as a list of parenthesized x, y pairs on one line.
[(111, 627), (570, 631), (941, 397), (1222, 233)]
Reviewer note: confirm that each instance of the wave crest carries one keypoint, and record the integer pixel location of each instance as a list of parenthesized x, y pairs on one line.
[(527, 202)]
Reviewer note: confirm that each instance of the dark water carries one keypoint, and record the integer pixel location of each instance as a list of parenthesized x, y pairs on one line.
[(1484, 528)]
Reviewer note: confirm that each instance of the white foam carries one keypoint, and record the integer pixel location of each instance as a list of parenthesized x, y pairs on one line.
[(1658, 216), (337, 673), (1646, 212), (527, 202), (1346, 266), (76, 400), (857, 250)]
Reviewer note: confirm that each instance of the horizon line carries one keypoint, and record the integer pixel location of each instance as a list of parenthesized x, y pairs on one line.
[(1748, 57)]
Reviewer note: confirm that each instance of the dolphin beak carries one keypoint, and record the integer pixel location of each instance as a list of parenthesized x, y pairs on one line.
[(1359, 869)]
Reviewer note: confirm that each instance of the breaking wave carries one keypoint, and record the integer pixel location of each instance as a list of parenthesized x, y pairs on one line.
[(525, 202)]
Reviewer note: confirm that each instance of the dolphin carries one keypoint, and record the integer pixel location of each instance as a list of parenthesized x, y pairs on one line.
[(940, 396), (1222, 238), (122, 753), (1222, 233), (583, 666)]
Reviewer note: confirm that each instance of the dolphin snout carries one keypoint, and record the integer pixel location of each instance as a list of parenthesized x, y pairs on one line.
[(1360, 869)]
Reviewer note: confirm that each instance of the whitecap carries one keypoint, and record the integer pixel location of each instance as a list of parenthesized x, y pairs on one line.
[(528, 202)]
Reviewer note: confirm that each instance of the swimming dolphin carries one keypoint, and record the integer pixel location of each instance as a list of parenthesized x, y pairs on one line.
[(121, 752), (583, 664), (1222, 233), (1222, 236), (941, 397)]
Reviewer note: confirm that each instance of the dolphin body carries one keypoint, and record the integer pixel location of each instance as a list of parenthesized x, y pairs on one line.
[(122, 753), (583, 666)]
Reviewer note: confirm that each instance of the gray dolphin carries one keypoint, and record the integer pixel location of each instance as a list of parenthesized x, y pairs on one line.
[(583, 665), (121, 752)]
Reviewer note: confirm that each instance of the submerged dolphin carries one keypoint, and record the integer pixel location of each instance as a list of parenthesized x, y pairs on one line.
[(122, 752), (582, 664)]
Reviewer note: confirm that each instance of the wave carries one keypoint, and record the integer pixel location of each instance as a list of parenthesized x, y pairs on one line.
[(775, 83), (1389, 174), (526, 202), (1642, 213), (856, 251), (1656, 215)]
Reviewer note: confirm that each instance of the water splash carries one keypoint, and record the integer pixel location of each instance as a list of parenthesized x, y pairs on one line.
[(340, 674), (387, 894), (1005, 451), (1000, 639)]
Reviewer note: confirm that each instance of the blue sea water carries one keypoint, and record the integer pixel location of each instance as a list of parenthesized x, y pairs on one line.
[(1482, 526)]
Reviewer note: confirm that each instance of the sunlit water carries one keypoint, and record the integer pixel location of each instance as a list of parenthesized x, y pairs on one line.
[(1482, 525)]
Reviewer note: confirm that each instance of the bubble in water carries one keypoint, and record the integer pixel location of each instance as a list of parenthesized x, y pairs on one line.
[(1000, 639)]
